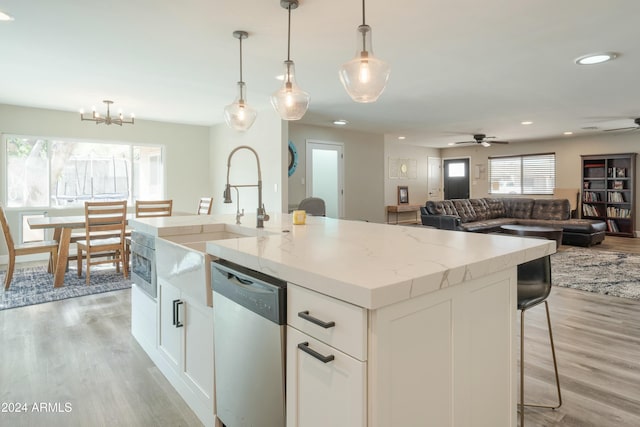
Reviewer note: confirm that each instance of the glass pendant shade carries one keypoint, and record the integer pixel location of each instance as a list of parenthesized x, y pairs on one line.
[(290, 101), (365, 76), (239, 115)]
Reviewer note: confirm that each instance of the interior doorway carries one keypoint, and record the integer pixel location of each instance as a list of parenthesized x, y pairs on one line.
[(325, 175), (456, 179), (434, 176)]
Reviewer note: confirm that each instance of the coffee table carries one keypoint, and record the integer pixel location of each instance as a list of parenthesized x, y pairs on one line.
[(551, 233)]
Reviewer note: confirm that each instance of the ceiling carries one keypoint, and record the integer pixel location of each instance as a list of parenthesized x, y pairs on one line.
[(457, 67)]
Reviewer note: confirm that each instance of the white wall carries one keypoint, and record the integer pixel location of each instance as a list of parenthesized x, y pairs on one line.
[(418, 191), (268, 136), (363, 164), (186, 149)]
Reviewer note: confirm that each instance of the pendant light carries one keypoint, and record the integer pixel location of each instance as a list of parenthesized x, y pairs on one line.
[(239, 115), (290, 101), (365, 76)]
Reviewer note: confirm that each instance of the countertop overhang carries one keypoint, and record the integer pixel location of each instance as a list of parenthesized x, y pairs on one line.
[(367, 264)]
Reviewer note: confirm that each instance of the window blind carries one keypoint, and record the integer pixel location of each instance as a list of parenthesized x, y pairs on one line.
[(529, 174)]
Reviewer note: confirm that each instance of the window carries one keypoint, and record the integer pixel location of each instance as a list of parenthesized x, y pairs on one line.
[(43, 172), (530, 174)]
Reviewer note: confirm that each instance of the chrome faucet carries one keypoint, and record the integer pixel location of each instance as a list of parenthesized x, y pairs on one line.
[(238, 214), (261, 214)]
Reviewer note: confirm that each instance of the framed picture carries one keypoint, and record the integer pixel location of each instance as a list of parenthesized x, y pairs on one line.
[(403, 195)]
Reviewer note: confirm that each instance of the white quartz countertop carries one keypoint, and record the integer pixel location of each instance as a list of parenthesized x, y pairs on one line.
[(367, 264)]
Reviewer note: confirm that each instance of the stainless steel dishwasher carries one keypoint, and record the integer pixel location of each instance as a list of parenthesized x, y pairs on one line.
[(249, 311)]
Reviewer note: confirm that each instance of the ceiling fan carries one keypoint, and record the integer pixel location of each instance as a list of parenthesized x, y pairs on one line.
[(481, 138), (636, 127)]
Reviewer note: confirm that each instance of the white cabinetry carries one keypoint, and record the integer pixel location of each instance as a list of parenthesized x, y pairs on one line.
[(185, 344), (445, 358), (326, 361)]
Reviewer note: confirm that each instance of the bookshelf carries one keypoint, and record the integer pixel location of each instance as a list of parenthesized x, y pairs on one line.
[(608, 191)]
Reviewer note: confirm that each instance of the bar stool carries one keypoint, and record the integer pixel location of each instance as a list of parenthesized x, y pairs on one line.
[(534, 286)]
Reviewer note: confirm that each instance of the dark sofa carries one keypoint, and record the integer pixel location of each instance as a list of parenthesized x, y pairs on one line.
[(488, 214)]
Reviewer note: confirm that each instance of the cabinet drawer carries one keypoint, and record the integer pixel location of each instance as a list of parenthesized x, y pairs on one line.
[(323, 394), (348, 333)]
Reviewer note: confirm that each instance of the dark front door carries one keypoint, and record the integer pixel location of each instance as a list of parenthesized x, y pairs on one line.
[(456, 179)]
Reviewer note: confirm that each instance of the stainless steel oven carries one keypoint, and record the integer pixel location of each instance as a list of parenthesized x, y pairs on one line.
[(143, 262)]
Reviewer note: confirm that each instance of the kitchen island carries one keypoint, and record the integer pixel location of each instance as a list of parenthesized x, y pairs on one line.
[(425, 319)]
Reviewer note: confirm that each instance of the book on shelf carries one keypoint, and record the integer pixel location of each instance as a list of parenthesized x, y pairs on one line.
[(612, 226), (590, 210), (618, 185), (618, 212), (615, 197), (591, 196)]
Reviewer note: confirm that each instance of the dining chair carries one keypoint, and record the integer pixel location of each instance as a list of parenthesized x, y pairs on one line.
[(103, 218), (45, 246), (148, 209), (313, 206), (534, 286), (153, 208), (204, 206)]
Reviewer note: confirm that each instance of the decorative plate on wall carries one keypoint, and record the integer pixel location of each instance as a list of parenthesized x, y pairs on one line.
[(293, 158)]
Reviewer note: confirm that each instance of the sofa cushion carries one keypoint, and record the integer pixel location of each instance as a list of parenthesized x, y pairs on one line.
[(481, 209), (518, 208), (495, 208), (487, 226), (441, 207), (465, 210), (557, 209)]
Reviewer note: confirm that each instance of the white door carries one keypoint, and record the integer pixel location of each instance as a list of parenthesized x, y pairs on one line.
[(434, 176), (325, 175)]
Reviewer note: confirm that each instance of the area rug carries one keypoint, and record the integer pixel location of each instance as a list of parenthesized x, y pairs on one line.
[(608, 273), (35, 286)]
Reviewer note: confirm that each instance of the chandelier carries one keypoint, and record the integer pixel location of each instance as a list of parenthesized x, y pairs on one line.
[(107, 119)]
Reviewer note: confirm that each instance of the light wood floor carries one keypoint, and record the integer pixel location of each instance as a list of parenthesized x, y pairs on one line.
[(597, 341), (81, 351)]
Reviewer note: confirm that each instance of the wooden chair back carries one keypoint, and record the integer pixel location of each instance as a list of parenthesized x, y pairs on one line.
[(105, 233), (204, 206), (105, 218), (46, 246), (153, 208), (6, 231)]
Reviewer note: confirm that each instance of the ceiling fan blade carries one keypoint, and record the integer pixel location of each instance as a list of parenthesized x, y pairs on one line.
[(499, 142), (627, 128), (464, 142), (485, 144)]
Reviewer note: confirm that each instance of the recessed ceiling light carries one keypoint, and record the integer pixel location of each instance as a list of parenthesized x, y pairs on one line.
[(5, 17), (526, 123), (340, 122), (402, 137), (596, 58), (451, 143), (567, 133)]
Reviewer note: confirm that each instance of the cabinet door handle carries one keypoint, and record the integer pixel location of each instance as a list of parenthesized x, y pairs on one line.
[(306, 316), (304, 346), (179, 324), (175, 312)]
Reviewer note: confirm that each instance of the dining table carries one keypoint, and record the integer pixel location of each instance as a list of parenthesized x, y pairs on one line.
[(62, 228)]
